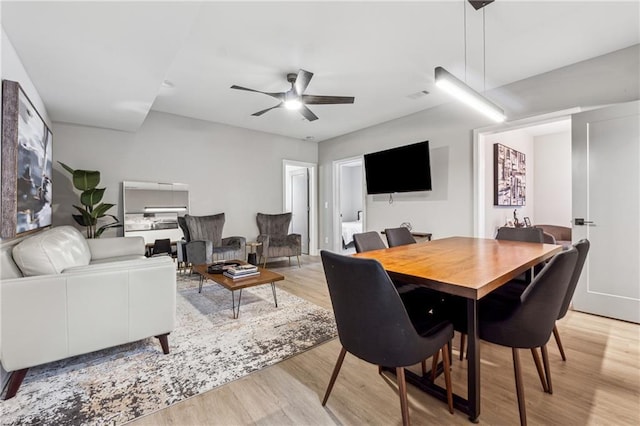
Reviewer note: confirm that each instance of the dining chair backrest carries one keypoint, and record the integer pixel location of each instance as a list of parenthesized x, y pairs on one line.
[(367, 241), (162, 246), (530, 320), (530, 235), (371, 319), (399, 236), (582, 247)]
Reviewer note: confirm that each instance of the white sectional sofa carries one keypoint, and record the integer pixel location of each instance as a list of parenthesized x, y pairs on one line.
[(62, 295)]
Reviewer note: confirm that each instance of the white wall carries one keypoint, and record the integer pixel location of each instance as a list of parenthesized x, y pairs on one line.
[(497, 216), (228, 169), (449, 208), (12, 69), (552, 175)]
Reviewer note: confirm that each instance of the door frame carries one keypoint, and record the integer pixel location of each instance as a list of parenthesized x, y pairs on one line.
[(312, 169), (480, 156), (337, 228)]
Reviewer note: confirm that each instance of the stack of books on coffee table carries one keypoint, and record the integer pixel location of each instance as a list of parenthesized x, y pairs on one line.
[(241, 271)]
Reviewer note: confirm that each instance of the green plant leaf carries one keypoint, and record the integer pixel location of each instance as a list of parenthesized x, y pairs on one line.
[(67, 168), (88, 220), (91, 197), (79, 219), (104, 227), (101, 209), (85, 179)]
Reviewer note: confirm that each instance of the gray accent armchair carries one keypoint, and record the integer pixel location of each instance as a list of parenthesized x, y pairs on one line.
[(276, 242), (203, 240)]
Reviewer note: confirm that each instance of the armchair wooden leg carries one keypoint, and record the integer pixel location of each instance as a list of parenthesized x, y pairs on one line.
[(265, 262), (547, 369), (298, 261), (519, 387), (402, 390), (15, 380), (334, 375), (447, 376), (541, 374), (289, 260), (164, 342), (556, 335)]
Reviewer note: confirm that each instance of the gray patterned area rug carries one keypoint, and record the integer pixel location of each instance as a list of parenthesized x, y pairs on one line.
[(208, 348)]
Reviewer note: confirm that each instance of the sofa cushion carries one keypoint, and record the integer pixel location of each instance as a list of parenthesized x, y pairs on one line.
[(52, 251)]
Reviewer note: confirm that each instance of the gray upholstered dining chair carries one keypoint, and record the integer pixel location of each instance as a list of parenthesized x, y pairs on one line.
[(203, 242), (275, 238), (378, 329), (399, 236), (528, 321), (367, 241), (514, 290)]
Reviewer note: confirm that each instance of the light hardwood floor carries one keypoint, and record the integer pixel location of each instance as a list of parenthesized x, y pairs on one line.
[(598, 385)]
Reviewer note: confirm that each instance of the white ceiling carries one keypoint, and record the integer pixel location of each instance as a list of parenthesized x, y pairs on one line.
[(103, 63)]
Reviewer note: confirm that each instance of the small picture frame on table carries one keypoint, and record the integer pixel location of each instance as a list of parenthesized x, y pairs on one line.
[(527, 222)]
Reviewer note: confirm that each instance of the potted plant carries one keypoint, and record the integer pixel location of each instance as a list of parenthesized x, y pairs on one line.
[(92, 208)]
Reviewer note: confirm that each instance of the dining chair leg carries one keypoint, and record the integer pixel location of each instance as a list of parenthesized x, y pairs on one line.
[(547, 369), (447, 376), (541, 374), (556, 335), (462, 339), (402, 390), (519, 387), (334, 375), (434, 366), (424, 367)]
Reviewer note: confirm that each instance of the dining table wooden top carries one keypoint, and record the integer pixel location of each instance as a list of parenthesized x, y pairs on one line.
[(463, 266)]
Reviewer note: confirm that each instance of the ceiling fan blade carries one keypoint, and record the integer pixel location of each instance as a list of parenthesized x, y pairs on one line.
[(302, 81), (326, 100), (278, 95), (259, 113), (306, 112)]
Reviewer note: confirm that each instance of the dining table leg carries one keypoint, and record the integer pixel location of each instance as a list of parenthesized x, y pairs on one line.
[(473, 361)]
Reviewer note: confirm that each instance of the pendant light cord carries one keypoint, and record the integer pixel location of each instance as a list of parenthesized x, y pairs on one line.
[(464, 18), (484, 56)]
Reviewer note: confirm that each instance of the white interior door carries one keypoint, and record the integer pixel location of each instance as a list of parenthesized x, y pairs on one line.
[(606, 194), (300, 206)]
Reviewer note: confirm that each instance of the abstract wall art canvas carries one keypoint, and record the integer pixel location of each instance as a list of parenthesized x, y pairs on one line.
[(26, 164), (509, 176)]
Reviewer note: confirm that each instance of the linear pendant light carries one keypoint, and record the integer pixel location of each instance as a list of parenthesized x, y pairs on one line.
[(448, 82)]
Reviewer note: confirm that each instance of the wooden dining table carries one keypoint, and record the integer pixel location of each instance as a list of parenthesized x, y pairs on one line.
[(466, 267)]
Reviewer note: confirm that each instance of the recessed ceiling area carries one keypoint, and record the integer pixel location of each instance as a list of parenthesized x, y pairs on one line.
[(103, 64)]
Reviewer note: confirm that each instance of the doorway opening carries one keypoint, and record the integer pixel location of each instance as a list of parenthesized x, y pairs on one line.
[(300, 183), (546, 143), (349, 215)]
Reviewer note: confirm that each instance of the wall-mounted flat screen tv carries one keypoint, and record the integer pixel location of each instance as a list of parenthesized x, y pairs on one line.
[(403, 169)]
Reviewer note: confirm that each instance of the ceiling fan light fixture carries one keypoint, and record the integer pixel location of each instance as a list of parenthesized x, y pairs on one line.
[(458, 89), (293, 104)]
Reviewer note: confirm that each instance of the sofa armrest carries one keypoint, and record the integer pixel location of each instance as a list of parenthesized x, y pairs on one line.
[(236, 242), (295, 240), (264, 239), (199, 252), (103, 248)]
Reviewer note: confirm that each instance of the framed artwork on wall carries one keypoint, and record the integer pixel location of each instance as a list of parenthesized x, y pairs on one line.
[(509, 176), (26, 164)]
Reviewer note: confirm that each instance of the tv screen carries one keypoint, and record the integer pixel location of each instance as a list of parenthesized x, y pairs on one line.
[(403, 169)]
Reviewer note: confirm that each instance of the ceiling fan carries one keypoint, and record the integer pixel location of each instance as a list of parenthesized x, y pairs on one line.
[(295, 98)]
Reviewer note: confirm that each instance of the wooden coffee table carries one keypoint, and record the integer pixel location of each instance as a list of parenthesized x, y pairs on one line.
[(266, 277)]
